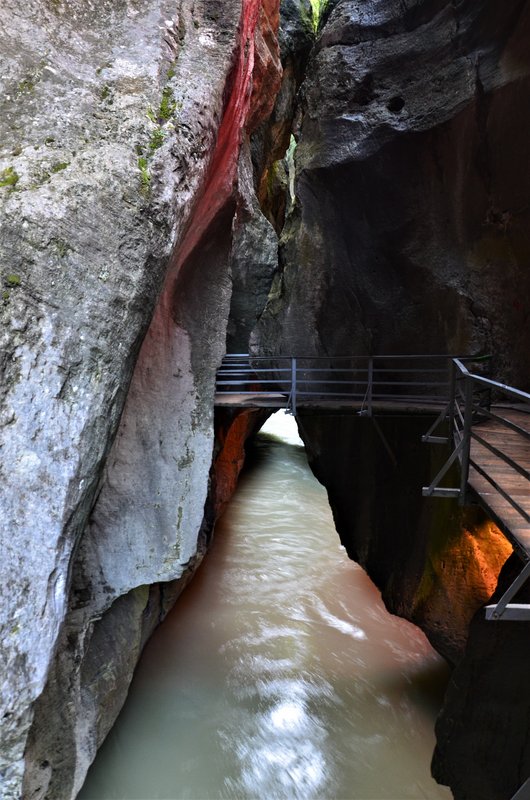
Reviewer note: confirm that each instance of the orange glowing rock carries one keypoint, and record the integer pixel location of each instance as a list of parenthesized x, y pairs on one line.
[(459, 578)]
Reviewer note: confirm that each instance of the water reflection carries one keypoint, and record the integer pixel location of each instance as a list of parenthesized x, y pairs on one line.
[(279, 674)]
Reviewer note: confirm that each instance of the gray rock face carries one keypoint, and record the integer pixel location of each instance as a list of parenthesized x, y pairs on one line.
[(254, 260), (296, 28), (411, 225), (107, 138)]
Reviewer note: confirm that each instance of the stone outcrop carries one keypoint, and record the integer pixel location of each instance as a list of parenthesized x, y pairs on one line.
[(264, 182), (271, 140), (121, 129)]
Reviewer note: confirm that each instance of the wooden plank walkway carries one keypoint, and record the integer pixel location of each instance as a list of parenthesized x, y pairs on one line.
[(277, 401), (515, 446), (249, 400)]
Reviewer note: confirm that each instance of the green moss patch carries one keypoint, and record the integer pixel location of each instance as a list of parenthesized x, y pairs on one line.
[(61, 247), (59, 166), (167, 105), (27, 85), (157, 140), (144, 172), (317, 7), (8, 177)]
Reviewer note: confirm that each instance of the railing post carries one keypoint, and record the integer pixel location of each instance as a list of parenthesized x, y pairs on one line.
[(452, 400), (466, 438), (370, 390), (293, 386)]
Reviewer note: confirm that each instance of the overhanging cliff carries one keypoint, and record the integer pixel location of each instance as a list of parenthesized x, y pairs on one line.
[(410, 228)]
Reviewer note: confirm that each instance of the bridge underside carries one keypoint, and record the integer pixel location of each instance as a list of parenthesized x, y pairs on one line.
[(281, 401)]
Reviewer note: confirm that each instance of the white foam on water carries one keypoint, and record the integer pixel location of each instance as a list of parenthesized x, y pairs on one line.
[(283, 426)]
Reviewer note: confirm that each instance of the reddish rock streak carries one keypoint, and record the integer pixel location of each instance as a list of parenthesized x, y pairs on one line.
[(243, 92), (244, 88)]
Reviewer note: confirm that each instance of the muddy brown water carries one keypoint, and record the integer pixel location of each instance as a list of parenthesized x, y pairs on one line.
[(278, 674)]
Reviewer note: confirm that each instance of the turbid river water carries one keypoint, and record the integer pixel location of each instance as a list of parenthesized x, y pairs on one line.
[(279, 674)]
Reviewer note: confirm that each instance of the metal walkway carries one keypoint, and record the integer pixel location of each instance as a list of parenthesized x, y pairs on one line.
[(500, 469), (359, 384), (484, 423)]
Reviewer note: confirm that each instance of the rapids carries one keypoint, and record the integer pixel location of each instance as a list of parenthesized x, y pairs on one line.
[(278, 674)]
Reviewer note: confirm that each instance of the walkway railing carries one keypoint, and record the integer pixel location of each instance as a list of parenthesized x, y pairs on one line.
[(366, 381), (489, 431), (476, 411), (474, 397)]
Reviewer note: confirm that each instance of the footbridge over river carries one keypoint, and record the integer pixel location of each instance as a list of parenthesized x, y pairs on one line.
[(484, 424)]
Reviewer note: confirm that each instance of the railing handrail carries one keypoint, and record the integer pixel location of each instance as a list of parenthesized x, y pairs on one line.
[(362, 379), (461, 412), (415, 377), (511, 391), (355, 357)]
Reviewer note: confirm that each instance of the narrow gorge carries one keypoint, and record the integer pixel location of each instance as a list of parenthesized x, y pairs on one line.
[(184, 178)]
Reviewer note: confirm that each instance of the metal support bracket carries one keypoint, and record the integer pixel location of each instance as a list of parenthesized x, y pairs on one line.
[(524, 792), (434, 490), (515, 611), (440, 491), (428, 437), (291, 403), (370, 389)]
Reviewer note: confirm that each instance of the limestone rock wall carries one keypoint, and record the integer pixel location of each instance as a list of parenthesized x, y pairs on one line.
[(121, 126), (410, 230)]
